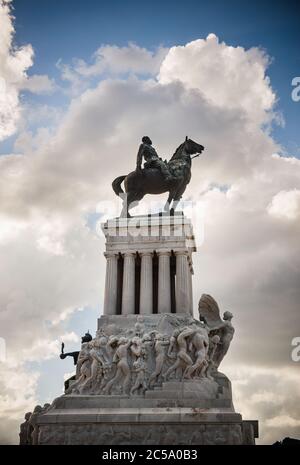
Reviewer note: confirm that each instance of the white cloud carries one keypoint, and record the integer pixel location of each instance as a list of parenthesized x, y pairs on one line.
[(113, 61), (38, 84), (283, 421), (228, 77), (285, 205), (270, 395), (14, 63), (17, 396), (119, 60)]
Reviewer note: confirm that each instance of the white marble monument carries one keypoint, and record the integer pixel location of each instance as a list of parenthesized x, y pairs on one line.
[(151, 374)]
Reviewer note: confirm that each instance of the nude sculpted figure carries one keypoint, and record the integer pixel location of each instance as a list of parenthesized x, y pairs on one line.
[(122, 375), (183, 359), (160, 345)]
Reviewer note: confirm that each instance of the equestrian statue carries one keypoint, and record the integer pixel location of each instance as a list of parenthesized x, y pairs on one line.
[(157, 176)]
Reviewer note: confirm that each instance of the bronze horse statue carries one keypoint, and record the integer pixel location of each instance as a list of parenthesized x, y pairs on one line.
[(151, 181)]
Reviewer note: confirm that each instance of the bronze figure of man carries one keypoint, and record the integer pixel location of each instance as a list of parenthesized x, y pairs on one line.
[(148, 152)]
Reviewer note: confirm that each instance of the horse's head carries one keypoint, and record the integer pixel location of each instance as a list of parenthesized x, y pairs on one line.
[(192, 147), (186, 149)]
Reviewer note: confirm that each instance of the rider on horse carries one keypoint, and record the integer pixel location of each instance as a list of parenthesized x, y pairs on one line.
[(172, 177), (152, 159)]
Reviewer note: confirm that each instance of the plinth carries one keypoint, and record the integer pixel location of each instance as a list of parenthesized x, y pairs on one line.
[(151, 374)]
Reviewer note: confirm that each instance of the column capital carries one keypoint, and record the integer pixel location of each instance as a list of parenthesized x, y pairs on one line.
[(130, 253), (164, 253), (110, 254), (146, 253), (181, 252)]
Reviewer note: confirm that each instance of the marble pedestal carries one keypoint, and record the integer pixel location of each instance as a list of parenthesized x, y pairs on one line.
[(150, 376), (83, 421), (175, 412)]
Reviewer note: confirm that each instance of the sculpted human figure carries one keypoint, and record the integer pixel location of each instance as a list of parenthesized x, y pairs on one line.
[(139, 367), (147, 352), (209, 313), (46, 407), (183, 359), (99, 360), (147, 343), (33, 422), (173, 344), (111, 347), (26, 430), (84, 371), (139, 327), (199, 342), (226, 335), (136, 347), (148, 152), (84, 355), (172, 176), (122, 375), (211, 366), (161, 342)]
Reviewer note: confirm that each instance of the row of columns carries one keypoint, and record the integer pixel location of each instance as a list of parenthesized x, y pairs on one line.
[(183, 288)]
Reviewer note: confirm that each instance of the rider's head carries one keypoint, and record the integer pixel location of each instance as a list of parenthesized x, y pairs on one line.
[(147, 140)]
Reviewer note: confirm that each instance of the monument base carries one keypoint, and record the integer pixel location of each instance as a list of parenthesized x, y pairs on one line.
[(190, 412), (163, 407), (77, 420)]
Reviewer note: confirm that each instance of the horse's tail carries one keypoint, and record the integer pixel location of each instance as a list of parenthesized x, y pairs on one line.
[(116, 185)]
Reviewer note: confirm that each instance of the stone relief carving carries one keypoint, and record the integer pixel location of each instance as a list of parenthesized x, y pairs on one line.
[(209, 314), (29, 430), (140, 434), (26, 430), (131, 360)]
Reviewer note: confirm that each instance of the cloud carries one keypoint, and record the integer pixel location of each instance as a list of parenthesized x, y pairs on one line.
[(38, 84), (14, 63), (285, 205), (17, 396), (121, 60), (110, 60), (271, 396), (51, 258), (228, 77)]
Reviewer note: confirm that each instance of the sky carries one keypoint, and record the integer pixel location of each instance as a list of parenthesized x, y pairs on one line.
[(78, 88)]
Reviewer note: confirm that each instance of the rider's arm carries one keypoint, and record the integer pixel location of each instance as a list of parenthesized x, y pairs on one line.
[(139, 157)]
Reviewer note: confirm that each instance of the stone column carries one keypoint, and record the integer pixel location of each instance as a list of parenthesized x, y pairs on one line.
[(182, 283), (164, 282), (128, 295), (146, 288), (111, 277), (191, 292)]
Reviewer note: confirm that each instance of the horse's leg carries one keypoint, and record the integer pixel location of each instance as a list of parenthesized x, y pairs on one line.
[(177, 197), (168, 202), (124, 213), (174, 205), (132, 200)]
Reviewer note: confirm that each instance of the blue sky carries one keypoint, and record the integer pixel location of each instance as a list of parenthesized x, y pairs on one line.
[(57, 31)]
